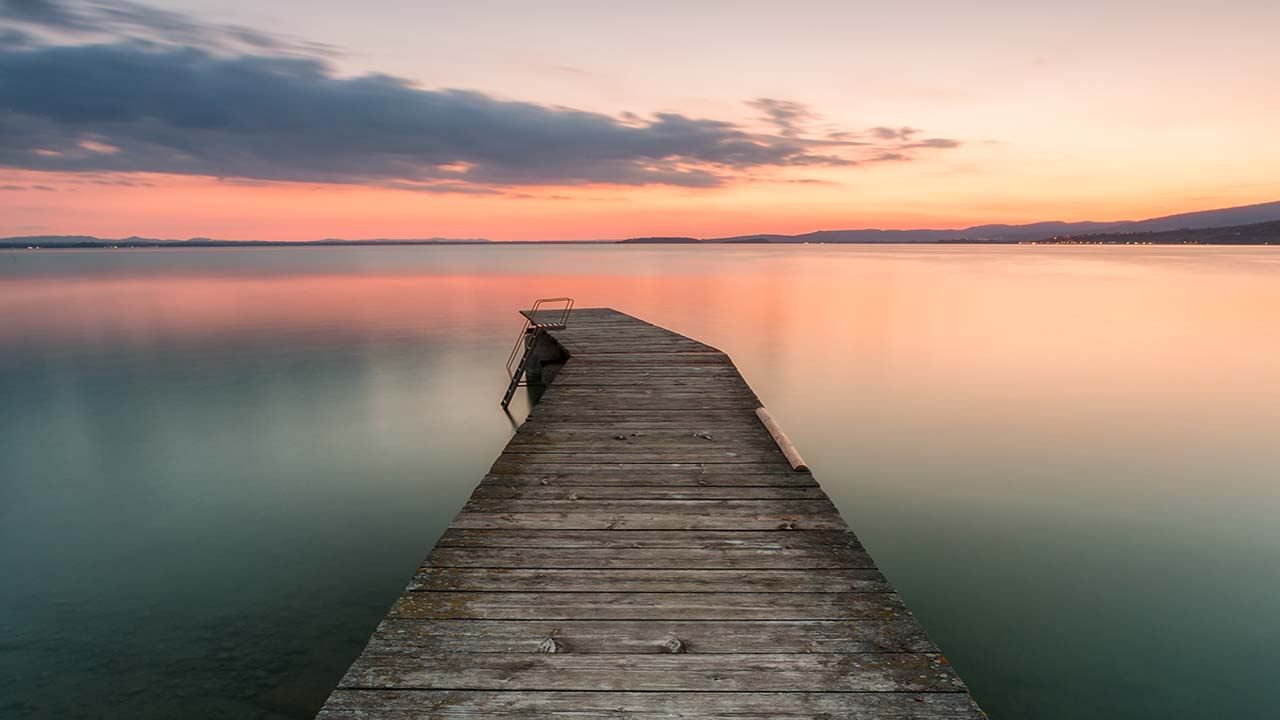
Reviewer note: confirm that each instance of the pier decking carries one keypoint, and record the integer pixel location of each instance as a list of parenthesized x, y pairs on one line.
[(643, 549)]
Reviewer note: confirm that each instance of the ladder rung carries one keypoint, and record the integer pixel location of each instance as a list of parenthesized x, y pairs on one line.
[(521, 368)]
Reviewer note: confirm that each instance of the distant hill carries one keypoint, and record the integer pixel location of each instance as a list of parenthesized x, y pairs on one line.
[(1225, 219), (1267, 233), (88, 241), (1244, 215)]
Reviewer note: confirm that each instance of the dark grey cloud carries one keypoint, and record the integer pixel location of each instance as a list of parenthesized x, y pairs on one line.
[(933, 143), (121, 108), (40, 12), (44, 188), (13, 38), (163, 97), (442, 187), (794, 120), (112, 180), (892, 133), (890, 156), (788, 116), (116, 20)]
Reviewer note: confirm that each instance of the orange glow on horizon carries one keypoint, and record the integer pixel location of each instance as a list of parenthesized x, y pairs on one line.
[(171, 206)]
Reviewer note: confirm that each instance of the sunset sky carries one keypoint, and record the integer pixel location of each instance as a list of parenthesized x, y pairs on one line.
[(303, 119)]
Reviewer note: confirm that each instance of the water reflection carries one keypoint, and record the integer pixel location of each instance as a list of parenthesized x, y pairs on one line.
[(220, 466)]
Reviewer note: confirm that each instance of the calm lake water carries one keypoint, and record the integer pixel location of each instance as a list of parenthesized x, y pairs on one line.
[(219, 467)]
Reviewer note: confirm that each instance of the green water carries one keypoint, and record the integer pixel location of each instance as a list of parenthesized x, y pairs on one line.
[(219, 467)]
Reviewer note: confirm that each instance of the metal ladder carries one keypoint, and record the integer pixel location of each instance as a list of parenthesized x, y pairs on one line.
[(530, 335)]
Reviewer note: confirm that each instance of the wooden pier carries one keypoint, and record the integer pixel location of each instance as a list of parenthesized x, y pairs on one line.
[(642, 548)]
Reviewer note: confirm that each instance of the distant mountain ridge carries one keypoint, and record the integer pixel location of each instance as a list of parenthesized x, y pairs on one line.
[(1224, 218), (1264, 233), (1242, 215)]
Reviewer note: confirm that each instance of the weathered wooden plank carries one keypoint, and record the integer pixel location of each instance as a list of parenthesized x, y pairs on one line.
[(634, 453), (624, 368), (739, 423), (621, 332), (471, 704), (655, 407), (573, 375), (550, 414), (601, 345), (645, 606), (605, 381), (724, 540), (607, 398), (743, 432), (736, 558), (608, 337), (452, 705), (521, 465), (647, 418), (643, 492), (693, 507), (898, 633), (542, 434), (508, 579), (653, 359), (607, 347), (781, 478), (851, 672), (711, 376), (723, 389), (648, 521), (586, 326), (631, 454), (623, 441), (650, 439)]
